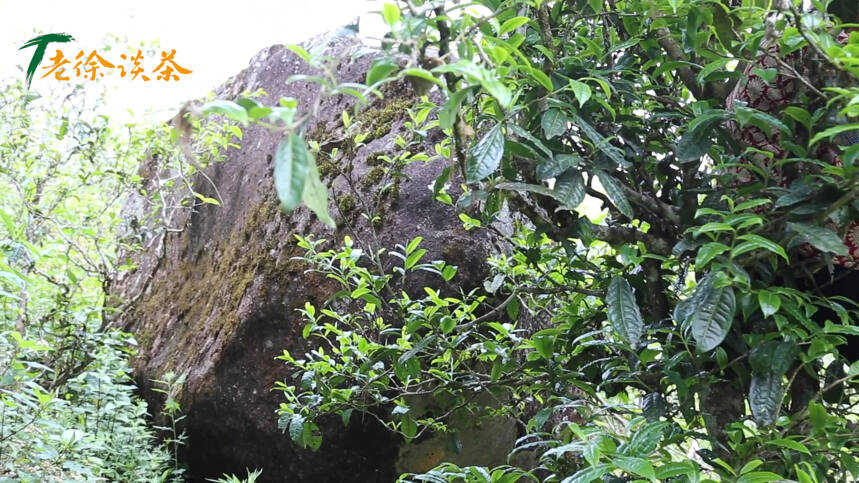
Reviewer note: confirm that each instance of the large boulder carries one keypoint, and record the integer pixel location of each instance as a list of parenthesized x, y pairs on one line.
[(215, 297)]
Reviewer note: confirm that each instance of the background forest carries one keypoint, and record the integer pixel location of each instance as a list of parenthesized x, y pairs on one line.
[(677, 297)]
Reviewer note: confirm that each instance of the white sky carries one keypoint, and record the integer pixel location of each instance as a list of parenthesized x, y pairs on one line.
[(213, 39)]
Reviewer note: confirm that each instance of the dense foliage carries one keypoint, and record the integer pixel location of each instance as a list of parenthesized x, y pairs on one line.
[(68, 409), (677, 333)]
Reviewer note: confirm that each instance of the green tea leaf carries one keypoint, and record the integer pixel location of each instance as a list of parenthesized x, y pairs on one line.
[(291, 166), (708, 252), (486, 155), (229, 109), (615, 193), (833, 131), (624, 316), (765, 393), (819, 237), (315, 194), (381, 69), (711, 315), (569, 189), (769, 302), (512, 24), (391, 14), (581, 90), (639, 466), (754, 242), (554, 123), (773, 357)]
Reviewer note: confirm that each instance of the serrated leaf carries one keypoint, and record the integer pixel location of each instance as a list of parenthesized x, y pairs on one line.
[(345, 416), (447, 324), (773, 357), (612, 152), (512, 309), (291, 165), (486, 155), (519, 131), (615, 193), (409, 354), (296, 429), (624, 316), (413, 244), (750, 466), (817, 415), (592, 452), (708, 69), (206, 199), (312, 437), (414, 258), (554, 123), (677, 468), (761, 120), (820, 238), (768, 75), (683, 246), (254, 109), (799, 191), (724, 25), (550, 168), (765, 393), (569, 190), (493, 285), (646, 439), (533, 188), (653, 406), (496, 88), (710, 314)]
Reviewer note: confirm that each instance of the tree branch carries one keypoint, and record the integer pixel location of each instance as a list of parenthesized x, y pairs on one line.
[(624, 234), (674, 51), (652, 204)]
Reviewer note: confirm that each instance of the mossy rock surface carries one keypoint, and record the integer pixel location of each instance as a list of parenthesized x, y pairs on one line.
[(218, 300)]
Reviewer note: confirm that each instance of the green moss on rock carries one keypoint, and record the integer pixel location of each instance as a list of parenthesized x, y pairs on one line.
[(373, 177), (326, 168), (377, 122), (346, 204)]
